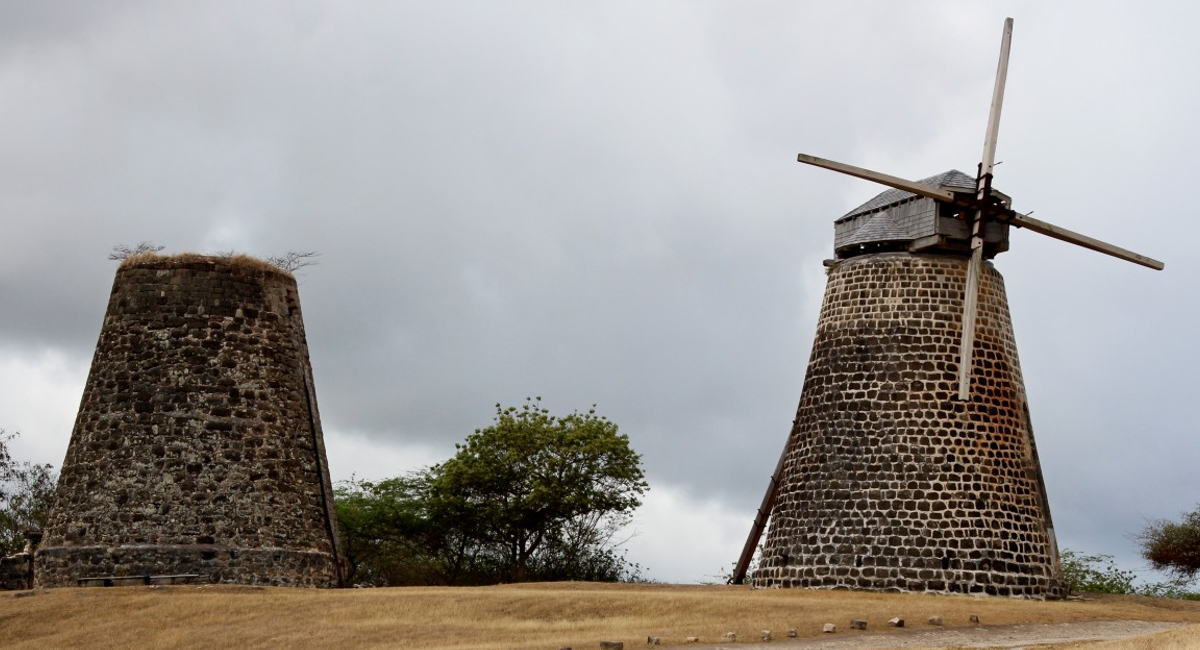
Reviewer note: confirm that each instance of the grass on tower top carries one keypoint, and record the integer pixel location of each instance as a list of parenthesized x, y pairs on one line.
[(237, 259)]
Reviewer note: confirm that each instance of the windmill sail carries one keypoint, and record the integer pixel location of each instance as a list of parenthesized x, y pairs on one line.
[(886, 482)]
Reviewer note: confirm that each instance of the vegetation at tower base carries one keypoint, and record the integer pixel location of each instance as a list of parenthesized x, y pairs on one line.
[(198, 447), (1174, 546), (1100, 574), (25, 492), (533, 497), (888, 482), (1096, 574)]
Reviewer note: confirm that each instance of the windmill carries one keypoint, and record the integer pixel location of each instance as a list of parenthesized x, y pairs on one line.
[(911, 464)]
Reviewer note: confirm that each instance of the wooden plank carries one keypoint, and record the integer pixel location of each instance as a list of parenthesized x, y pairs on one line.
[(966, 350), (1062, 234), (760, 519), (879, 177), (974, 267), (993, 125)]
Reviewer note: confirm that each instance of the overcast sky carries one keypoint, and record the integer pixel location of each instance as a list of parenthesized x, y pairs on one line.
[(599, 203)]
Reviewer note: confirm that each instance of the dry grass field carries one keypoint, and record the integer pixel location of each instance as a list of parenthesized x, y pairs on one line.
[(1181, 639), (504, 617)]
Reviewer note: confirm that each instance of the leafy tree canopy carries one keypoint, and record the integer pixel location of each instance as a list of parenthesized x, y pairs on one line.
[(534, 496), (532, 477)]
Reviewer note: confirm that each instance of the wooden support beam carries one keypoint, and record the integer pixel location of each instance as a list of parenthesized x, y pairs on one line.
[(760, 520), (879, 177), (1062, 234)]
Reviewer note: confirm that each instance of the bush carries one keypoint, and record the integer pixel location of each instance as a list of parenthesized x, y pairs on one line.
[(1174, 546), (1095, 574), (26, 490), (1099, 574)]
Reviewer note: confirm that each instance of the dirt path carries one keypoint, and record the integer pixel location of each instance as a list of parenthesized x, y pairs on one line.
[(983, 636)]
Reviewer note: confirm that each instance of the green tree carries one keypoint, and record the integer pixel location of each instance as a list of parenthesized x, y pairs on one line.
[(534, 482), (382, 526), (1174, 547), (532, 497), (26, 490)]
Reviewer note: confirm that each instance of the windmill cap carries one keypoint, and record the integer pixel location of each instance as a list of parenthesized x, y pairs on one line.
[(896, 220), (952, 180)]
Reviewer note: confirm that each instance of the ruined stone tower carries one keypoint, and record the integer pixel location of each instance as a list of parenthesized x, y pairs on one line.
[(887, 481), (198, 446)]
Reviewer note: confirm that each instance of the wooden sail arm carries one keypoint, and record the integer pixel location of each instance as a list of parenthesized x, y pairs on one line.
[(990, 209), (1062, 234), (881, 178)]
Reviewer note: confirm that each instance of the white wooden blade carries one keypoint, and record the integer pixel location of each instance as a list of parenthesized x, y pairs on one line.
[(993, 125), (966, 350), (879, 177), (1062, 234)]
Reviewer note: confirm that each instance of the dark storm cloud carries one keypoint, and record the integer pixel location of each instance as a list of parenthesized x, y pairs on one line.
[(599, 204)]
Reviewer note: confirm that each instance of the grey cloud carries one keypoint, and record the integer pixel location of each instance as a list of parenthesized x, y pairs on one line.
[(599, 204)]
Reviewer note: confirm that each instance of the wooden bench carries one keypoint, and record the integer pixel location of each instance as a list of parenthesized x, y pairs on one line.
[(122, 581)]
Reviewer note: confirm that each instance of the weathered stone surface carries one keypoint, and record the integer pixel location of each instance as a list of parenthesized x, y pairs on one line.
[(730, 637), (198, 444), (974, 618), (829, 628), (889, 482), (16, 572), (858, 624), (651, 640), (935, 620), (792, 633), (692, 639), (896, 622), (765, 635), (612, 645)]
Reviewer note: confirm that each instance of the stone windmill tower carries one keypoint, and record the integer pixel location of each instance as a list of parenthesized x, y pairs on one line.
[(911, 464), (198, 447)]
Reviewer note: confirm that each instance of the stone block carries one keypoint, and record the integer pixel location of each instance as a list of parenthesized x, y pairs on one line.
[(879, 437), (219, 429)]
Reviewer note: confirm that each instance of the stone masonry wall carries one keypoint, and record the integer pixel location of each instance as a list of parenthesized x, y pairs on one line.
[(889, 483), (16, 572), (198, 445)]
